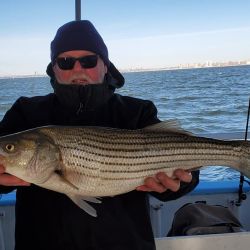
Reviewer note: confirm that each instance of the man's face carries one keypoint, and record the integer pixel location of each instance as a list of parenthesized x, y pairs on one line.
[(79, 74)]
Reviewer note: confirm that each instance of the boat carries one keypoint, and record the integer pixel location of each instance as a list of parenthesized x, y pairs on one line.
[(220, 193), (225, 193)]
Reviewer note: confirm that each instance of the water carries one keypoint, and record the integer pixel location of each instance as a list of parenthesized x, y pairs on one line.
[(204, 100), (208, 100)]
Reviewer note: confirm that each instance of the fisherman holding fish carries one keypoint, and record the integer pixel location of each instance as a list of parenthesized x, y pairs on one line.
[(84, 81)]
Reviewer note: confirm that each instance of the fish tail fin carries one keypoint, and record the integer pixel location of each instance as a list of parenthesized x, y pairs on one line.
[(245, 158)]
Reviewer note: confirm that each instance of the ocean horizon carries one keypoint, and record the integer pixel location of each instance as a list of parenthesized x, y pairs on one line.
[(202, 65)]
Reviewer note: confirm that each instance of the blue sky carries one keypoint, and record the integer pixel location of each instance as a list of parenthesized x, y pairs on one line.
[(138, 33)]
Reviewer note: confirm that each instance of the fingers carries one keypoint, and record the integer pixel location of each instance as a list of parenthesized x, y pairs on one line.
[(2, 169), (151, 184), (161, 182), (172, 184), (183, 175), (10, 180)]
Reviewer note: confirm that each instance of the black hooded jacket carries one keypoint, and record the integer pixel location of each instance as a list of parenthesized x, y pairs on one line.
[(48, 220)]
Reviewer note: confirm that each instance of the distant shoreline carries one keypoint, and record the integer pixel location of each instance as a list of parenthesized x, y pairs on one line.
[(140, 70), (22, 76), (185, 67)]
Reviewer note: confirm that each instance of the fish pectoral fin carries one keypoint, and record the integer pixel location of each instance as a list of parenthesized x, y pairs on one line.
[(168, 126), (65, 180), (81, 201), (91, 199)]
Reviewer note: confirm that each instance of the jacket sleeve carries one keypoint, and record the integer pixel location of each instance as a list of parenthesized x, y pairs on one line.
[(149, 117), (12, 122)]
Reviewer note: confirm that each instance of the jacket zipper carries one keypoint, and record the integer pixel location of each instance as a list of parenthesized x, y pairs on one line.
[(79, 110)]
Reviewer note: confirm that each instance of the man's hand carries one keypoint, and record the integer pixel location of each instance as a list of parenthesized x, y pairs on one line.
[(10, 180), (161, 182)]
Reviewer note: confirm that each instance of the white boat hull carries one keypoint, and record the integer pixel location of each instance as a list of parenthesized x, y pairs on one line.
[(230, 241)]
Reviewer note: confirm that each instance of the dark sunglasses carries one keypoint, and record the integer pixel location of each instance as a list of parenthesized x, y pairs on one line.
[(67, 63)]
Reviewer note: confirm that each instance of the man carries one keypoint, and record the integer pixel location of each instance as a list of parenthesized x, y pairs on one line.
[(84, 81)]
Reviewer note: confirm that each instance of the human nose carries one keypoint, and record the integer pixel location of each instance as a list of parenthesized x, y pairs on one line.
[(77, 66)]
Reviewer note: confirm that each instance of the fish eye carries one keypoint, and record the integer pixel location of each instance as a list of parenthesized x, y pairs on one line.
[(10, 147)]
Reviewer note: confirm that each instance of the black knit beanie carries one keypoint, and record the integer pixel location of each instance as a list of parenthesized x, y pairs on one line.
[(79, 35)]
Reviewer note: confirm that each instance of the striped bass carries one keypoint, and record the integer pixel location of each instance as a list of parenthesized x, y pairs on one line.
[(89, 162)]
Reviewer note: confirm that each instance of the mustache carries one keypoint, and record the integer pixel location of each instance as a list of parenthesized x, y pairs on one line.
[(81, 76)]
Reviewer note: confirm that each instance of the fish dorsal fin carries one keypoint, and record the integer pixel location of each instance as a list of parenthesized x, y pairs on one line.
[(168, 126)]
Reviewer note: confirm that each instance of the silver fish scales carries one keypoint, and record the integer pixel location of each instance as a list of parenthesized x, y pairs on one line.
[(88, 162)]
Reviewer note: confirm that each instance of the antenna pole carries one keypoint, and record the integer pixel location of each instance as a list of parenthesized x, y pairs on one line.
[(77, 10), (242, 196), (248, 114)]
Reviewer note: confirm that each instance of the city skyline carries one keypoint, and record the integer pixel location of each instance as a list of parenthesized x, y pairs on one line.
[(193, 65)]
